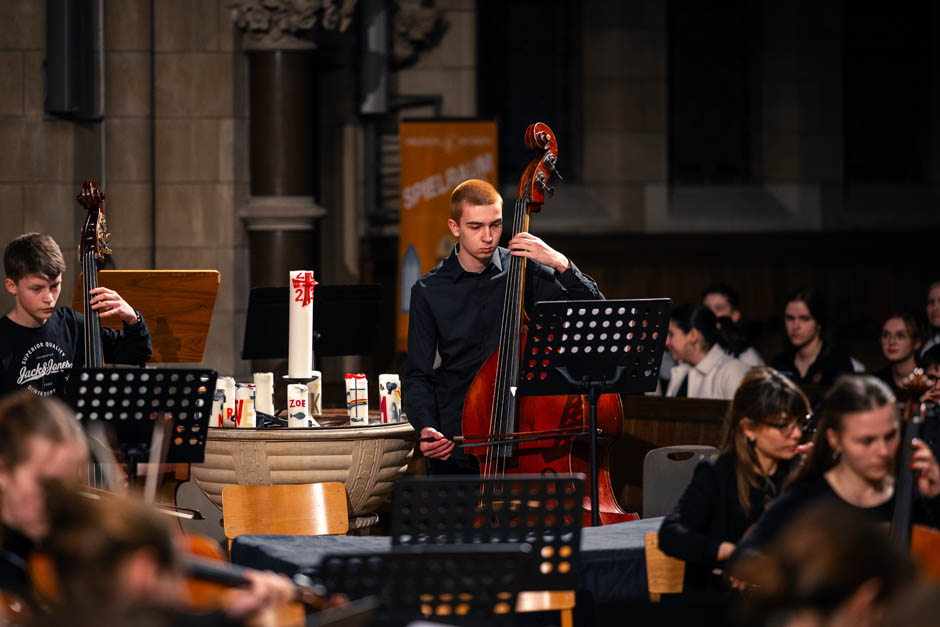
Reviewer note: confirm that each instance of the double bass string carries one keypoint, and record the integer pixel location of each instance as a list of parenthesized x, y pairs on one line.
[(93, 358), (509, 341)]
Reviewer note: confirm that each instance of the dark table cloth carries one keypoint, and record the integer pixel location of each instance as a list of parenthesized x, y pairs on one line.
[(613, 566)]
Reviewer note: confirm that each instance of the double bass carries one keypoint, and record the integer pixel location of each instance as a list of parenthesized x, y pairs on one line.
[(543, 435)]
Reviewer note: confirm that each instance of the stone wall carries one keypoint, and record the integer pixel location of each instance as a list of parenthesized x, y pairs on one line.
[(38, 181), (174, 164), (200, 153)]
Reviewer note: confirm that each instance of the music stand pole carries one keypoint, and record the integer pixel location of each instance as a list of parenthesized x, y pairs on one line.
[(593, 389)]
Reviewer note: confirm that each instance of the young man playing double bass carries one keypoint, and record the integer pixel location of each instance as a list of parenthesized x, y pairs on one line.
[(456, 310), (40, 343)]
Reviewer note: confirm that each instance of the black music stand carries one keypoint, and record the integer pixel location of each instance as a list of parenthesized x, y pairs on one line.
[(593, 348), (350, 312), (544, 512), (132, 402), (459, 584)]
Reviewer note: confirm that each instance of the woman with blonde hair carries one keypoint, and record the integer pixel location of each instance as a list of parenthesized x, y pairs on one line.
[(762, 438)]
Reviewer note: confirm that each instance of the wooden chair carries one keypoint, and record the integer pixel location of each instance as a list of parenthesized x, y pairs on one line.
[(664, 574), (547, 601), (312, 509)]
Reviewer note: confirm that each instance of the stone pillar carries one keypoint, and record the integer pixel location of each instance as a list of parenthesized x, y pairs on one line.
[(282, 215)]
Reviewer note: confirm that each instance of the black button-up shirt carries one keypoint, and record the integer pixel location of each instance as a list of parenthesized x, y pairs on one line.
[(457, 314)]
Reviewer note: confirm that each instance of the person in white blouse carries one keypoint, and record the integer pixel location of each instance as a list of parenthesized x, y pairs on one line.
[(705, 369)]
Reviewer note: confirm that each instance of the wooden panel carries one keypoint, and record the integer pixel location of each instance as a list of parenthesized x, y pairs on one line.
[(664, 574), (305, 509), (176, 304)]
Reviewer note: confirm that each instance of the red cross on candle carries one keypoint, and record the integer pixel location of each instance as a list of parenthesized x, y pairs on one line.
[(303, 288)]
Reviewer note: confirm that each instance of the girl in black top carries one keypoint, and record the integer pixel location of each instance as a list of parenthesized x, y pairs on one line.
[(900, 343), (762, 435), (810, 359), (853, 462)]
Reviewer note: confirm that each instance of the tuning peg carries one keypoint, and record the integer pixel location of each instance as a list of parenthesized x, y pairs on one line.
[(549, 161)]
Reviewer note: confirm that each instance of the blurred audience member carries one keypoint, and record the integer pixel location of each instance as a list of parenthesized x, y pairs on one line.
[(900, 342), (810, 359), (829, 568), (933, 317), (761, 438), (723, 301), (705, 369), (931, 363)]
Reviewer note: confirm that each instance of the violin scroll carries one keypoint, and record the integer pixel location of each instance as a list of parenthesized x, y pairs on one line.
[(917, 382), (534, 182)]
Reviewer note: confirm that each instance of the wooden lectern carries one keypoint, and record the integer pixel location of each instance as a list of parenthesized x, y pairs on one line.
[(176, 304)]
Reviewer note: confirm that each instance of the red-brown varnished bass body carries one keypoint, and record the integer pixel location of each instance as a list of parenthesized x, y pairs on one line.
[(531, 433), (560, 456)]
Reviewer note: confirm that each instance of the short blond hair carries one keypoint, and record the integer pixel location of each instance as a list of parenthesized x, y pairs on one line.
[(476, 192)]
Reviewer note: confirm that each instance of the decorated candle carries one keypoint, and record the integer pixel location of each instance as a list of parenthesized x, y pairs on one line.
[(218, 404), (315, 392), (245, 406), (264, 392), (298, 407), (357, 399), (390, 398), (300, 338), (228, 406)]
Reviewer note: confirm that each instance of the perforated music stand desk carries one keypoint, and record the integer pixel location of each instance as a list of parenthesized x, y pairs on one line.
[(458, 584), (593, 348), (544, 512), (176, 304), (130, 402)]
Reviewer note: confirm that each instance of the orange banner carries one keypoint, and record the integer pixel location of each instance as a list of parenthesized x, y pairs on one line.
[(435, 158)]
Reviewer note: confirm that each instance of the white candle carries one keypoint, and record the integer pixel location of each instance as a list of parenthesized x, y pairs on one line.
[(357, 399), (264, 392), (300, 340), (315, 391), (228, 407), (298, 409), (390, 398)]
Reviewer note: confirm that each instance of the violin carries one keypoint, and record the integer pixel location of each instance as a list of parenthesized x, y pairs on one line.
[(209, 579), (920, 541)]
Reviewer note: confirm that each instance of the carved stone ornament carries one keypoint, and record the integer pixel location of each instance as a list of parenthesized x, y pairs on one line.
[(417, 26), (289, 24)]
